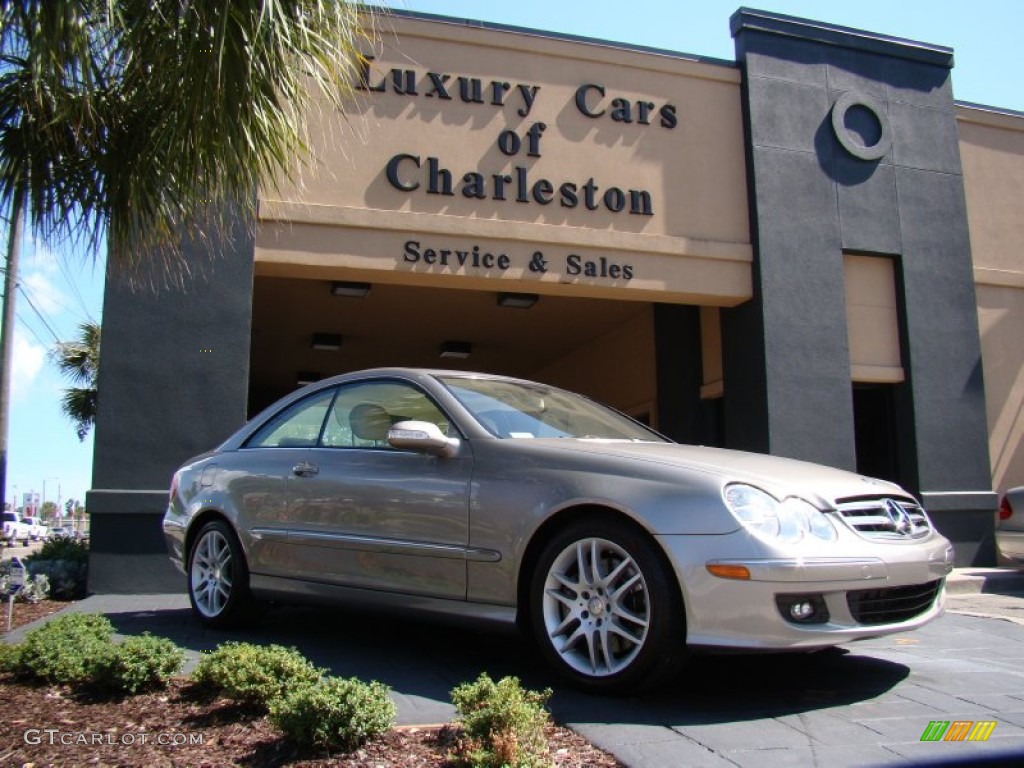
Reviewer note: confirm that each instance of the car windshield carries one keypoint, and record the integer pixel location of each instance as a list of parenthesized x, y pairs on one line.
[(519, 409)]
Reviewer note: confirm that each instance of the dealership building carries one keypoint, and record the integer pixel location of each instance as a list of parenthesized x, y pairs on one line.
[(812, 251)]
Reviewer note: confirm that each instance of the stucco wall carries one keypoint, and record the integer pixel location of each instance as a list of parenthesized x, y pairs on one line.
[(992, 153)]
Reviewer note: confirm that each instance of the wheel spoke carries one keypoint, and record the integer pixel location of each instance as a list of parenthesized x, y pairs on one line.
[(621, 613), (568, 602), (627, 585)]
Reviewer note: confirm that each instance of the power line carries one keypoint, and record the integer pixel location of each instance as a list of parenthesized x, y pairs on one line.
[(39, 314), (30, 329), (63, 267)]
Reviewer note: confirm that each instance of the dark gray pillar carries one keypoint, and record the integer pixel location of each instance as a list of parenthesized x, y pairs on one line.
[(852, 147), (677, 349), (174, 377)]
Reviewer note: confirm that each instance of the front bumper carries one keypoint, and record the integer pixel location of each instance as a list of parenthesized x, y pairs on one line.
[(746, 613)]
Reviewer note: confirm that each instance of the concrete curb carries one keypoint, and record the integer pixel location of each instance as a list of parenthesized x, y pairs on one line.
[(972, 581)]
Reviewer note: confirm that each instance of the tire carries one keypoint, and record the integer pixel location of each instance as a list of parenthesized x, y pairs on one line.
[(218, 577), (616, 628)]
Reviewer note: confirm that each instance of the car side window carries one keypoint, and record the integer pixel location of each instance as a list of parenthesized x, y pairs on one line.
[(363, 413), (297, 426)]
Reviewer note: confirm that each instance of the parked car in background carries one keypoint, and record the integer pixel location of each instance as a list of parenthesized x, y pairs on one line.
[(59, 531), (493, 497), (37, 529), (1010, 525), (15, 529)]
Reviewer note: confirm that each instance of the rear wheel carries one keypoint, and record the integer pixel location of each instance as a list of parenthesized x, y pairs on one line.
[(218, 576), (605, 609)]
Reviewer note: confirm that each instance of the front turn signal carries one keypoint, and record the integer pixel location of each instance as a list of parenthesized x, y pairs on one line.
[(728, 571)]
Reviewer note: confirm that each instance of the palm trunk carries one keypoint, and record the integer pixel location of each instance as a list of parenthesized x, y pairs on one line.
[(7, 335)]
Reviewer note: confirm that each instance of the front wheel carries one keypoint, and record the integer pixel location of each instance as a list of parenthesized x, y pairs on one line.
[(605, 608), (218, 577)]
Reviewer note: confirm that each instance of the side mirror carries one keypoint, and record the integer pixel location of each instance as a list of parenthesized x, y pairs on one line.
[(423, 437)]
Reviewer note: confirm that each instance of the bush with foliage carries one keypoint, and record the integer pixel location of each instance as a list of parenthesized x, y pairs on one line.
[(254, 674), (62, 548), (10, 658), (144, 663), (66, 650), (64, 562), (503, 724), (334, 713)]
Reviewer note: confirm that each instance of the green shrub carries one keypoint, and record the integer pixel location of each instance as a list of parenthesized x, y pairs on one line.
[(140, 664), (254, 674), (10, 658), (503, 724), (66, 650), (334, 713), (61, 548)]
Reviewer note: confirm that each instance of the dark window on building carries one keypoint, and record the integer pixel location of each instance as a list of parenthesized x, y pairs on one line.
[(874, 419)]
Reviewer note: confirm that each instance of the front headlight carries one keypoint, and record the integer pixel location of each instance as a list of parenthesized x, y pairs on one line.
[(790, 520)]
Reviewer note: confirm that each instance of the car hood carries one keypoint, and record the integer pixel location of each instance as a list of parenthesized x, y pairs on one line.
[(781, 476)]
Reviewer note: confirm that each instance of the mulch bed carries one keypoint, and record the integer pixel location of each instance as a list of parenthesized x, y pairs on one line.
[(58, 726), (26, 613)]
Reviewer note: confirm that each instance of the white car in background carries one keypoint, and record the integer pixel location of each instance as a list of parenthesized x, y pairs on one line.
[(15, 529), (37, 529)]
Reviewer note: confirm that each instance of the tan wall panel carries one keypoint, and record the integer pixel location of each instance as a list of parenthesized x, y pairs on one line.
[(315, 251), (872, 320), (625, 360), (711, 352), (992, 154), (1001, 321), (692, 172)]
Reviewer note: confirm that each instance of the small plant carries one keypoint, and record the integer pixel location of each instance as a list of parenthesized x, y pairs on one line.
[(66, 650), (35, 588), (503, 724), (334, 713), (143, 663), (254, 674)]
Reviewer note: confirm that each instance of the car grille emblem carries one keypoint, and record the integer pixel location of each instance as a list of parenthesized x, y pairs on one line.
[(901, 521)]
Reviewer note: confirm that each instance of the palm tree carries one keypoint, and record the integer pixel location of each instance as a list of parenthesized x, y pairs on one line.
[(79, 361), (132, 121)]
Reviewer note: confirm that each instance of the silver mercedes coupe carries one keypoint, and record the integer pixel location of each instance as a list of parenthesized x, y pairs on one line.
[(618, 550)]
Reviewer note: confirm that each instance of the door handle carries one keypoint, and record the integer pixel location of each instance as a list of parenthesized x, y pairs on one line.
[(305, 469)]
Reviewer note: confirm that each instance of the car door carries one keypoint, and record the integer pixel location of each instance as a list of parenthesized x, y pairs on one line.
[(364, 514), (257, 479)]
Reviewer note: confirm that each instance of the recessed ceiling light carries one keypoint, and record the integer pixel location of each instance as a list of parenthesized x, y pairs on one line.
[(517, 300), (326, 341), (354, 290), (456, 349)]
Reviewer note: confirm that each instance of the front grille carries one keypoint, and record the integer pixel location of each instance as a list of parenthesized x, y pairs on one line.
[(885, 518), (891, 604)]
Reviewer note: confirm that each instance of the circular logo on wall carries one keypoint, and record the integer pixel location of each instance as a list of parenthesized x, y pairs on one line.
[(861, 126)]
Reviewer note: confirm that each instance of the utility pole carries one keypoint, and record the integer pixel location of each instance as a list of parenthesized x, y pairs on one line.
[(7, 332)]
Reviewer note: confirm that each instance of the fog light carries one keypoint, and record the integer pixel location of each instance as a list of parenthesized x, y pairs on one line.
[(803, 609)]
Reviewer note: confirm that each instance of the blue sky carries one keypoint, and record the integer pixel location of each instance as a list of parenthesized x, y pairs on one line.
[(66, 286)]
